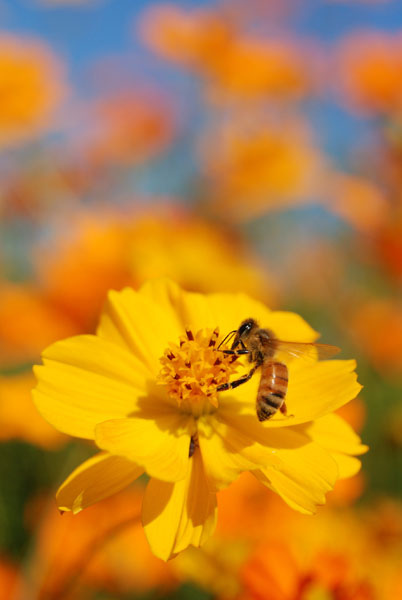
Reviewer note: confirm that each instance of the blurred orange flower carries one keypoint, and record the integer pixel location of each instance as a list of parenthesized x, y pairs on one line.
[(210, 43), (196, 38), (27, 323), (263, 550), (130, 126), (272, 68), (370, 65), (376, 327), (273, 573), (345, 554), (387, 246), (104, 547), (357, 200), (19, 418), (10, 580), (32, 86), (79, 264)]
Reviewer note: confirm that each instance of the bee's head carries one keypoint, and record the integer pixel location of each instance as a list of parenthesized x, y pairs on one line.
[(244, 331)]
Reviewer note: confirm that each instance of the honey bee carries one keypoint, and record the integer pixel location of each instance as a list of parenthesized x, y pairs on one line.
[(261, 346)]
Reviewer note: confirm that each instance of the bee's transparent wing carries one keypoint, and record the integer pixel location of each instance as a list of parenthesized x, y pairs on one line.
[(306, 350)]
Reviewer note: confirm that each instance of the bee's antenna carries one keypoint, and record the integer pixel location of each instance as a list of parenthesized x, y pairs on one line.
[(227, 337)]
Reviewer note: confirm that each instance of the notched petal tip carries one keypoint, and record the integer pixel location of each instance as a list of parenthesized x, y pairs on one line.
[(181, 514), (97, 478)]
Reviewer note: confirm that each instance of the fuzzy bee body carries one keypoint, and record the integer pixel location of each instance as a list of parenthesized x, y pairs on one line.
[(261, 346), (272, 389)]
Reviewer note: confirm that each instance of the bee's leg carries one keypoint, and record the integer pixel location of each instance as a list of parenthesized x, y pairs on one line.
[(234, 384), (236, 351), (284, 411)]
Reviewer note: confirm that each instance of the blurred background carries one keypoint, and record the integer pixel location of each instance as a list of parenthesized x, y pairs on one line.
[(233, 146)]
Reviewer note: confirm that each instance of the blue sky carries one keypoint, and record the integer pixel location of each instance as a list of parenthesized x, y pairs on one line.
[(84, 34)]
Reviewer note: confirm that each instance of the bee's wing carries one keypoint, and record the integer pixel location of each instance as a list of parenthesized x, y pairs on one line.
[(306, 350)]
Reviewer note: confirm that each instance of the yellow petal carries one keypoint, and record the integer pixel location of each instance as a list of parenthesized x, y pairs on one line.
[(161, 446), (139, 323), (228, 310), (97, 478), (335, 434), (223, 462), (317, 389), (244, 429), (223, 310), (167, 295), (86, 380), (314, 390), (231, 444), (347, 465), (303, 476), (177, 515), (289, 326)]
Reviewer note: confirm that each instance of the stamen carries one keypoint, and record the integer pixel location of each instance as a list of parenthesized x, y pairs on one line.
[(193, 369)]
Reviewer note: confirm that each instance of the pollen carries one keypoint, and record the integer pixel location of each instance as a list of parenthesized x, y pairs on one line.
[(193, 369)]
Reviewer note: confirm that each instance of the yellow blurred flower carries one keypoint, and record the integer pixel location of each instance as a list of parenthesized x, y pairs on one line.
[(144, 389), (31, 87), (215, 567), (19, 417), (183, 256), (110, 250), (260, 166)]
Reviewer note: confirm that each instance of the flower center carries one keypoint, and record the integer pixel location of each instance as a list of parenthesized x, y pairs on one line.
[(194, 369)]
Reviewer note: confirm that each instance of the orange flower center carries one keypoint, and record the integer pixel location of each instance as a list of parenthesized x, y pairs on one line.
[(194, 369)]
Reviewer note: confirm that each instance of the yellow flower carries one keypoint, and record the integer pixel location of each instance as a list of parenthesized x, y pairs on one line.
[(144, 388), (19, 419)]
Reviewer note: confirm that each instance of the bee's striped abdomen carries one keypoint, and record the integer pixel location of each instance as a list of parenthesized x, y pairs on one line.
[(272, 389)]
